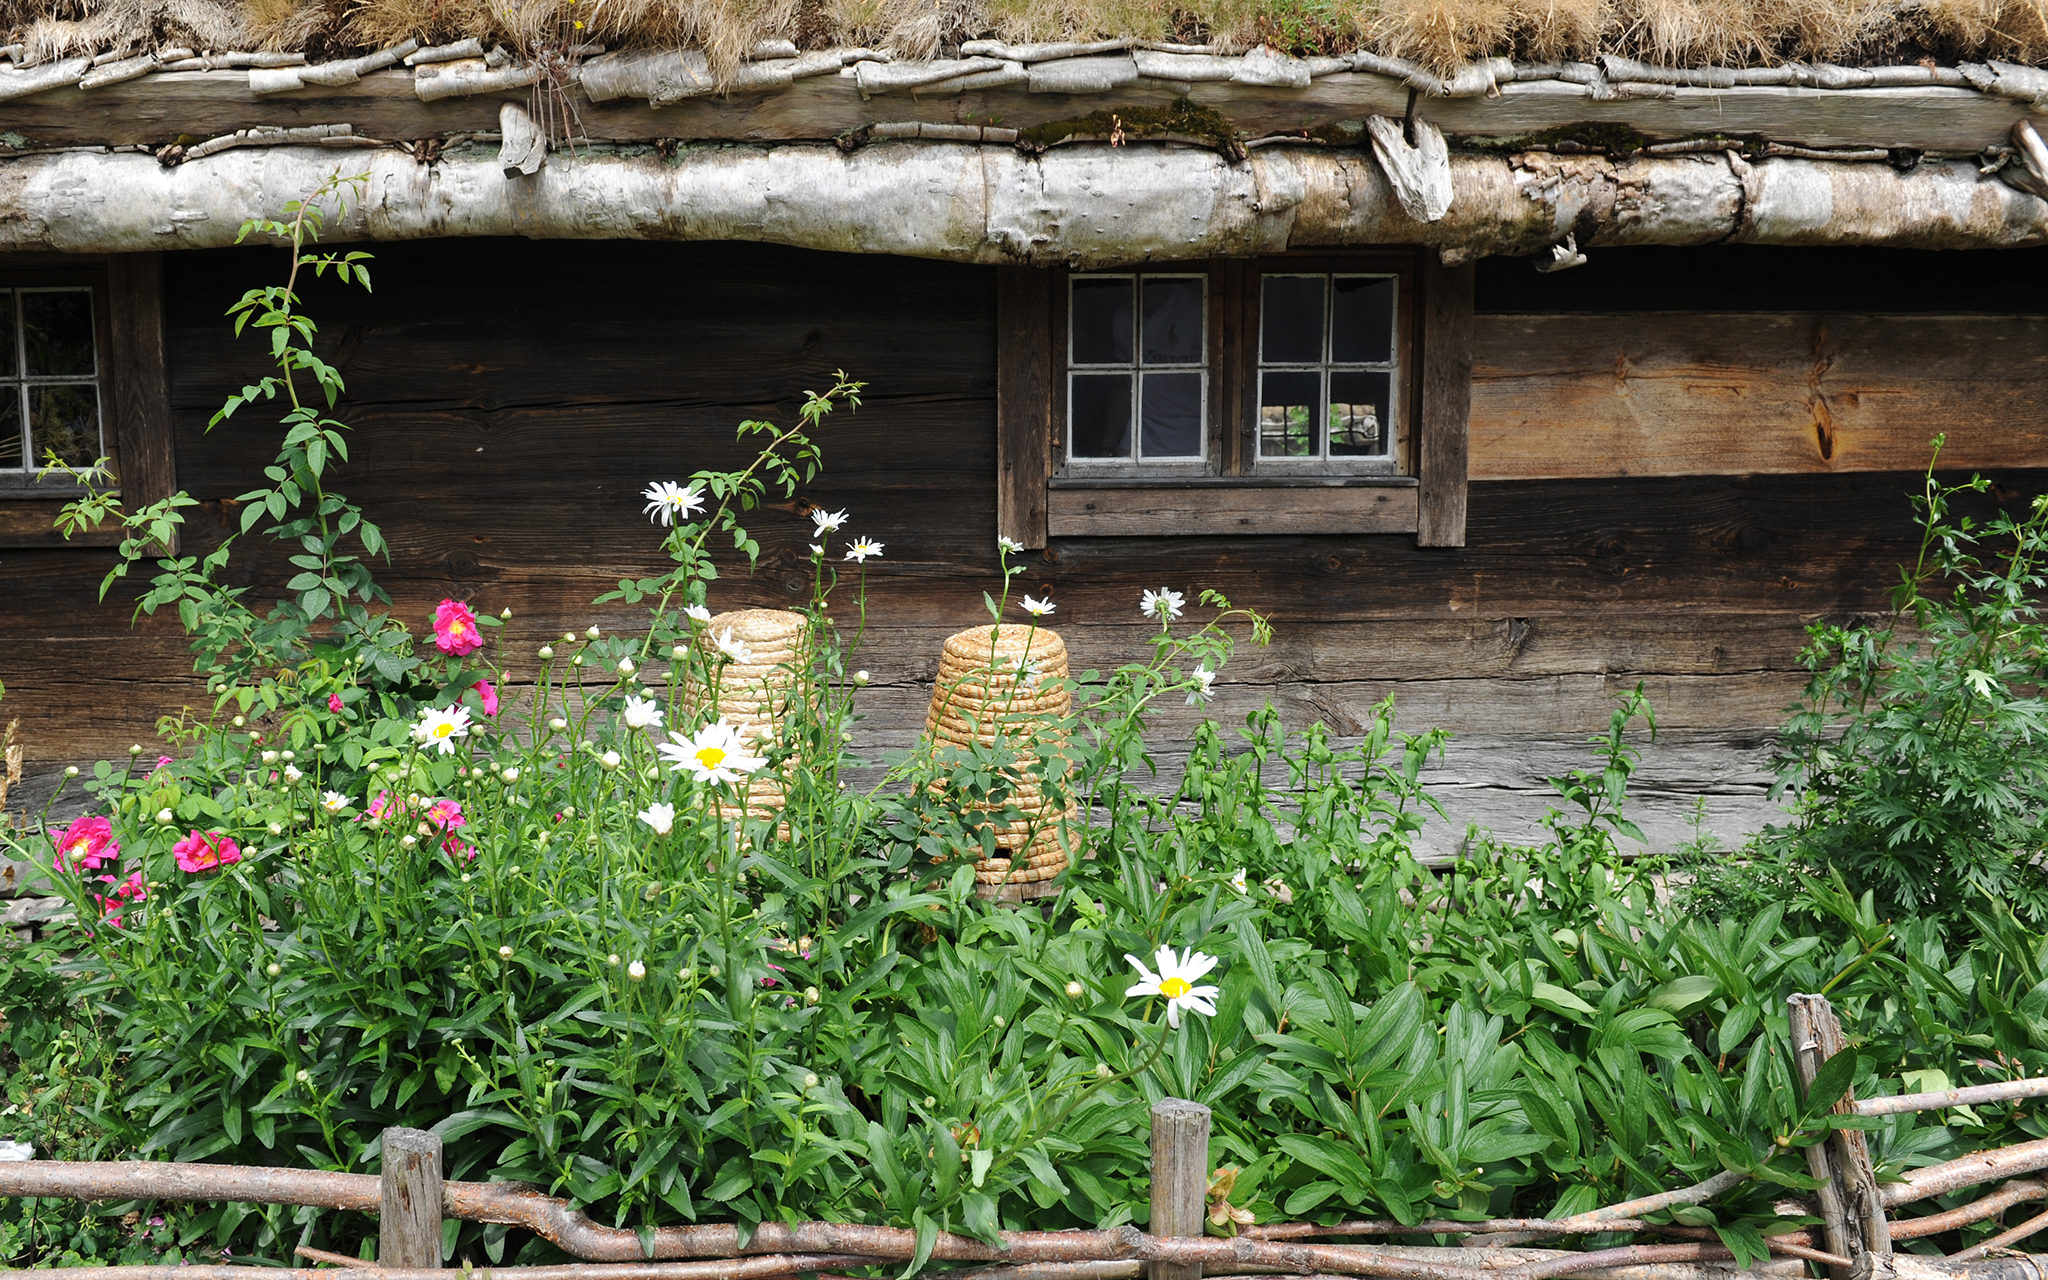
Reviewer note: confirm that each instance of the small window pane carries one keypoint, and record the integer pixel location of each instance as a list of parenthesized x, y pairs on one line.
[(1289, 404), (1173, 415), (57, 331), (10, 428), (1173, 321), (1361, 320), (9, 363), (1102, 320), (1099, 415), (1358, 414), (1291, 320), (65, 419)]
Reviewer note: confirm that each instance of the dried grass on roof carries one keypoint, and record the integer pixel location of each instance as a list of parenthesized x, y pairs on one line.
[(1442, 34)]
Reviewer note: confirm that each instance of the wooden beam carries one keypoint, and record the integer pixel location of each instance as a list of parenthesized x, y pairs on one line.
[(160, 108), (1164, 511), (1446, 401), (1671, 393), (141, 392), (1180, 1179), (1024, 359)]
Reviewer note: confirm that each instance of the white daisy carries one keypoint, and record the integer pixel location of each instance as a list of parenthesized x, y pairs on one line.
[(1163, 605), (1176, 981), (1205, 685), (1237, 880), (668, 501), (824, 522), (734, 649), (292, 773), (439, 727), (818, 549), (696, 613), (715, 754), (1037, 608), (662, 817), (642, 713), (1008, 546), (862, 548), (333, 801)]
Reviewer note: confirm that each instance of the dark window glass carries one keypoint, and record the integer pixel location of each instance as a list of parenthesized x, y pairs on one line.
[(1099, 415), (10, 429), (9, 356), (65, 419), (1361, 320), (1173, 415), (1358, 414), (56, 331), (1291, 320), (1289, 404), (1102, 321), (1173, 321)]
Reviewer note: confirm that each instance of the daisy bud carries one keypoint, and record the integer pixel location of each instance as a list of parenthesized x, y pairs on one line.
[(625, 666), (686, 973), (568, 637), (1073, 991), (238, 722), (636, 971), (593, 633), (930, 1101), (612, 959), (273, 968), (679, 652), (576, 661), (810, 1079), (506, 613), (135, 750), (304, 1076), (465, 877), (714, 971), (214, 687), (810, 995), (511, 773), (269, 757), (504, 953), (1001, 1021), (408, 841), (512, 870), (610, 759), (165, 816), (277, 828), (1102, 1071), (558, 724), (291, 755), (71, 771), (547, 651), (860, 679)]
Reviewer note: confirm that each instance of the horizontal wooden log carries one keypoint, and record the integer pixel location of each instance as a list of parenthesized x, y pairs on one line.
[(1229, 509), (160, 108), (1083, 205), (1586, 395)]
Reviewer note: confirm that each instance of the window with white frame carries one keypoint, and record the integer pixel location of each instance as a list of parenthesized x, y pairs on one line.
[(1138, 373), (1328, 377), (49, 380)]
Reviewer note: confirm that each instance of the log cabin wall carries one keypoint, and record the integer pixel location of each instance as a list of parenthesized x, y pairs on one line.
[(1679, 458)]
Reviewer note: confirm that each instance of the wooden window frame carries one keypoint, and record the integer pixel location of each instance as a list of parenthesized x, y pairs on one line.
[(135, 418), (1425, 495)]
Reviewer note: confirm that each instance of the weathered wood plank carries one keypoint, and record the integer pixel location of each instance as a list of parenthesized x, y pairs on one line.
[(1675, 393), (1446, 402), (141, 403), (161, 108), (1024, 359), (1228, 510)]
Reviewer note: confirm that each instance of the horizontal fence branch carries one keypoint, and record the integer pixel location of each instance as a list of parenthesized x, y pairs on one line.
[(736, 1269), (1968, 1096), (1966, 1171)]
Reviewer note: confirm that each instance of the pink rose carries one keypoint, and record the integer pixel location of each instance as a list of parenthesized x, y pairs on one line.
[(489, 695), (455, 629), (456, 849), (85, 845), (334, 703), (197, 852), (116, 899), (447, 815)]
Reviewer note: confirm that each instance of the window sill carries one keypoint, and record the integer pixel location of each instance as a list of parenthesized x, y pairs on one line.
[(1306, 505), (31, 522)]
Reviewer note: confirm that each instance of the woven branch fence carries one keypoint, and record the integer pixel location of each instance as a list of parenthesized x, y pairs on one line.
[(1854, 1242)]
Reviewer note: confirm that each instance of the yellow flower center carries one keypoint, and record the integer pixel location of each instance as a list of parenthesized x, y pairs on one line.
[(711, 757), (1175, 988), (455, 627), (80, 845), (443, 730)]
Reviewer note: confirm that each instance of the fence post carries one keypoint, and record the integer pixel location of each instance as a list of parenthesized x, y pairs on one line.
[(1180, 1179), (1851, 1210), (409, 1225)]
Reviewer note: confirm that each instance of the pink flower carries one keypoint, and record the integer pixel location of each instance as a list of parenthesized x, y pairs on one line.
[(456, 849), (489, 694), (116, 899), (163, 762), (85, 845), (208, 852), (447, 815), (455, 629), (334, 702)]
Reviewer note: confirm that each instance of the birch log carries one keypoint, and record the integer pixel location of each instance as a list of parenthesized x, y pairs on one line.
[(1084, 205)]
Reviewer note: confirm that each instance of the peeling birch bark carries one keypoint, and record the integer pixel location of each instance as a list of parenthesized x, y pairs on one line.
[(22, 84), (1420, 174), (524, 148), (436, 81), (1084, 205)]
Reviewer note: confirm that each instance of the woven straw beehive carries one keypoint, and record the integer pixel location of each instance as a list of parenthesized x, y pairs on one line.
[(752, 696), (1006, 685)]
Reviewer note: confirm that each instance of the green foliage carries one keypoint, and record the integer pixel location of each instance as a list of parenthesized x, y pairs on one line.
[(1917, 754)]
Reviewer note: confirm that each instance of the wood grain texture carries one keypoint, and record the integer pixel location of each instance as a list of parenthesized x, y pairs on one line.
[(141, 395), (163, 108), (1225, 510), (1673, 393), (1024, 360), (1180, 1179), (1446, 402), (409, 1217)]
